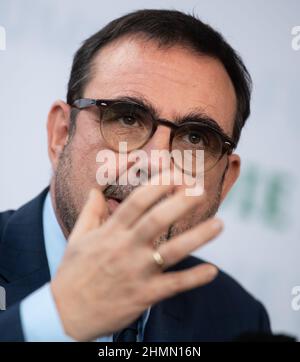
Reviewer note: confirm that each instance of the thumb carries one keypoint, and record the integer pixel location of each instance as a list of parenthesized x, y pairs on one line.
[(92, 215)]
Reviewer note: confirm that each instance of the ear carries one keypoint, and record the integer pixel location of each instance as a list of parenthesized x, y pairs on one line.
[(58, 130), (232, 174)]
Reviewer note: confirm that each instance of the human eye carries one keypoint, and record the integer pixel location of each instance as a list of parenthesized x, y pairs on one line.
[(129, 121), (194, 138)]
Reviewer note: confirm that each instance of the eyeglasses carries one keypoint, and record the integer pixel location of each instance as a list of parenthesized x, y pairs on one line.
[(133, 123)]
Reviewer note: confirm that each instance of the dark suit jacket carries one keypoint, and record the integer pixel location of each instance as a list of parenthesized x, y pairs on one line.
[(219, 311)]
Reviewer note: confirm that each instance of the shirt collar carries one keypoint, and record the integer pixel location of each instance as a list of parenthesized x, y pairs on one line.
[(55, 241)]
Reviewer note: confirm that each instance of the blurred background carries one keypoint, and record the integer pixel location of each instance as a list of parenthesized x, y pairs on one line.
[(260, 245)]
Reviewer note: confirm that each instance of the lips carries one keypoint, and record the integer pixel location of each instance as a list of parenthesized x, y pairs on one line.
[(112, 204)]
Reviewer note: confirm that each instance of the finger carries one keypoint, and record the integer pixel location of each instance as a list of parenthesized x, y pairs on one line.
[(162, 215), (168, 284), (93, 214), (139, 201), (181, 246)]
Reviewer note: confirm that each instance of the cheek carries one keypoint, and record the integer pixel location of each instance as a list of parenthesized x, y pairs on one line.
[(209, 202), (213, 178), (84, 152), (209, 182), (192, 218), (110, 167)]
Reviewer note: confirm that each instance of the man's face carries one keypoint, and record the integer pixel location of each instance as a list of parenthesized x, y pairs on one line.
[(176, 82)]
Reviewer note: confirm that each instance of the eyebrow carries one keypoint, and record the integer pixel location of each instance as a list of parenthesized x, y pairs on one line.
[(197, 115)]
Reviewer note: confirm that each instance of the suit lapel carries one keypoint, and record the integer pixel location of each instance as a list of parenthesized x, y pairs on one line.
[(166, 321), (23, 260)]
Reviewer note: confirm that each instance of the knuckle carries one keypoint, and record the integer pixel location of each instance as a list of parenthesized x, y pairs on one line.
[(136, 203), (155, 220), (174, 253)]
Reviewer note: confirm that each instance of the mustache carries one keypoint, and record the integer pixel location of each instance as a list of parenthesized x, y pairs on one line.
[(118, 192), (121, 192)]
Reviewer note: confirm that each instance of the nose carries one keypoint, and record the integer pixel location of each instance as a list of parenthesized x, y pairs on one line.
[(157, 150)]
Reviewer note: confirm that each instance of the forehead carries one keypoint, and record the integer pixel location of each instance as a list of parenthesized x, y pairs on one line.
[(175, 80)]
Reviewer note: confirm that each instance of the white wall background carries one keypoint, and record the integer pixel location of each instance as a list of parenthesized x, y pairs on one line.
[(261, 242)]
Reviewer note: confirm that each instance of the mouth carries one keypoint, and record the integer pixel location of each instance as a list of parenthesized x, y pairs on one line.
[(113, 203)]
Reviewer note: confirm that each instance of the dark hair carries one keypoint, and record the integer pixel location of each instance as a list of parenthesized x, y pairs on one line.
[(167, 28)]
